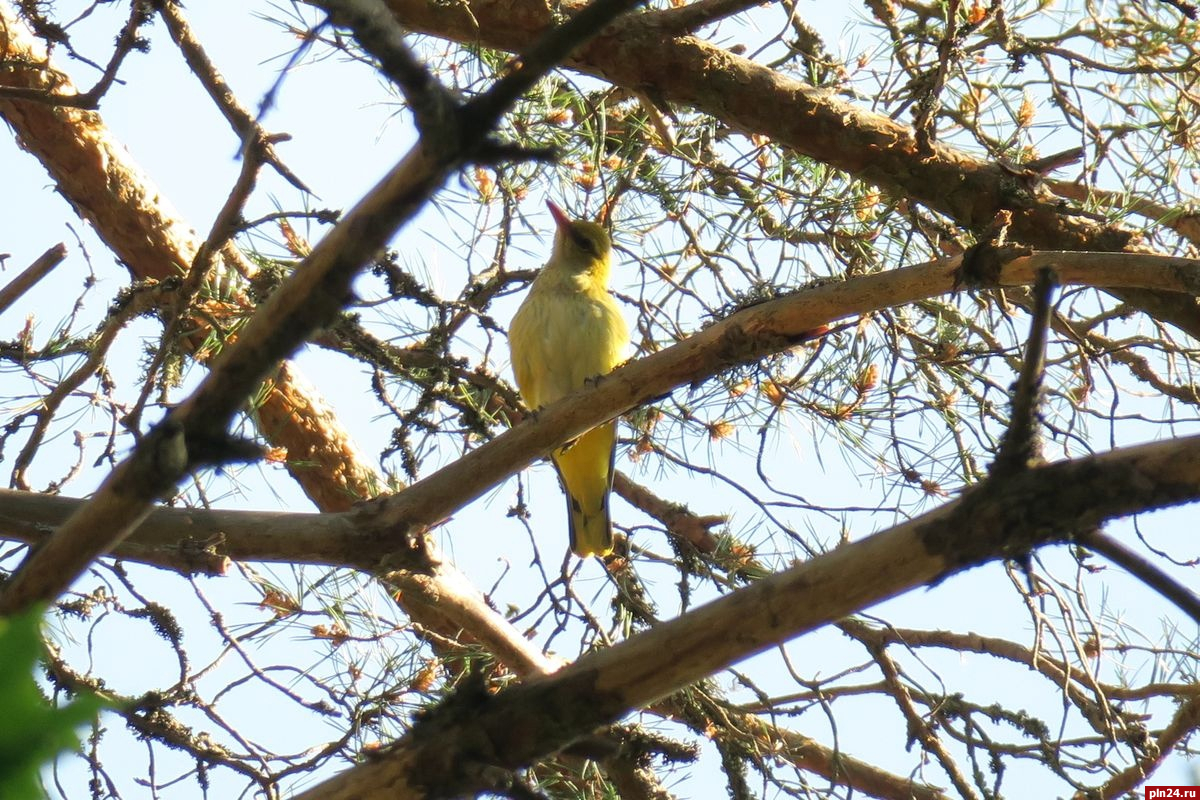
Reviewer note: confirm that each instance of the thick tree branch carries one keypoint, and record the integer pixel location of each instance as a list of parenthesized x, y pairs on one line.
[(1183, 222), (100, 180), (1021, 445), (367, 535), (361, 536), (398, 549), (749, 97), (194, 434), (201, 540), (448, 751), (742, 338), (66, 96), (680, 20)]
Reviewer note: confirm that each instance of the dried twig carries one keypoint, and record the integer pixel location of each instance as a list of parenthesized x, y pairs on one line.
[(39, 269), (241, 120)]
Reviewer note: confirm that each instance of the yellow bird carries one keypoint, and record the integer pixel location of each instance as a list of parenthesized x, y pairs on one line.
[(568, 330)]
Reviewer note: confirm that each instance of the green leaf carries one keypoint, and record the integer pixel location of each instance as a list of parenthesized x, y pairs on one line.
[(32, 732)]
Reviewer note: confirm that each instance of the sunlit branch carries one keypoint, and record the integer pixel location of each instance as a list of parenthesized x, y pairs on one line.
[(40, 268), (194, 434), (747, 96), (743, 338), (1031, 509), (240, 119)]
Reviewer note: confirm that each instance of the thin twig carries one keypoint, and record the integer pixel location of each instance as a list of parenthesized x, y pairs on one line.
[(1183, 724), (1020, 446), (604, 685), (31, 275), (240, 119), (1144, 570), (549, 51), (918, 729), (196, 432), (689, 18), (224, 227), (376, 30), (48, 406), (678, 519), (127, 41), (930, 100)]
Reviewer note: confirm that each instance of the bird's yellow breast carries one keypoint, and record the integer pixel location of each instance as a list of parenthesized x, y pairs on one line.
[(564, 333)]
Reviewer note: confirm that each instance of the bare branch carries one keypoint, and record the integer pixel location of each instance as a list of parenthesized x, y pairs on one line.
[(1020, 446), (196, 430), (474, 732), (680, 20), (138, 222), (240, 120), (1184, 723), (1146, 571), (40, 268), (62, 95), (378, 33), (745, 337), (747, 96), (195, 433)]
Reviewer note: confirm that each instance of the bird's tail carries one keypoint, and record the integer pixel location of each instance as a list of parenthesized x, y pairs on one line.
[(586, 469), (591, 533)]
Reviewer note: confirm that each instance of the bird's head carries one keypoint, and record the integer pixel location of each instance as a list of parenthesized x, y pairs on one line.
[(579, 245)]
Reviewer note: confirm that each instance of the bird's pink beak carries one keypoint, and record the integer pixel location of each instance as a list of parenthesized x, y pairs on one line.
[(560, 216)]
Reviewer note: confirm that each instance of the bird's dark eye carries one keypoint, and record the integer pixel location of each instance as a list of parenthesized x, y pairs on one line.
[(583, 243)]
